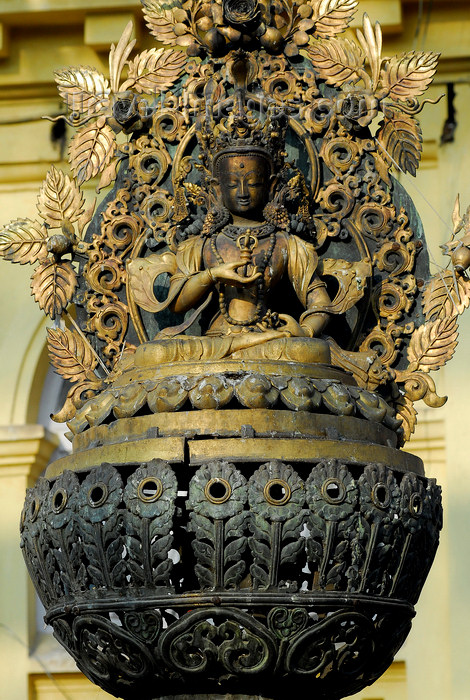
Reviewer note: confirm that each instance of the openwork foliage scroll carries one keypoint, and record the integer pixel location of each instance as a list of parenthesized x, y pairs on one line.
[(326, 559)]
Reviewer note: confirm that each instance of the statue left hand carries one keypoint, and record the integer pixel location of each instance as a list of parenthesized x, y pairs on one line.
[(291, 326)]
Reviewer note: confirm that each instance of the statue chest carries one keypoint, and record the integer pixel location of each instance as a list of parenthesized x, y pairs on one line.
[(268, 253)]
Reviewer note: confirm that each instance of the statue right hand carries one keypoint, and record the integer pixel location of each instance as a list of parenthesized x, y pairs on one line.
[(227, 274)]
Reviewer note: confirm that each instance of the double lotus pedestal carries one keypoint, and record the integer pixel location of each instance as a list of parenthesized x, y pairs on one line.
[(243, 526)]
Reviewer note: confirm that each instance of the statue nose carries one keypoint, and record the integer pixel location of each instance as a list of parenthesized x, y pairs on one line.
[(242, 189)]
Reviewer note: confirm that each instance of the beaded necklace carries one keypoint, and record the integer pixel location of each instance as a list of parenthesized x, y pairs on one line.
[(247, 240)]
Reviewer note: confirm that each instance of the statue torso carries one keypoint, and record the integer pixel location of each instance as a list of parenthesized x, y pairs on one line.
[(266, 250)]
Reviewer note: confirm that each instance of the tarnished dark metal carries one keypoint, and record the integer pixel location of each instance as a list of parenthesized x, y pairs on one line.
[(257, 575)]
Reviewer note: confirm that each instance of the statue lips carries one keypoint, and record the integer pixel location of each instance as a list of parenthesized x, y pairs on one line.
[(244, 202)]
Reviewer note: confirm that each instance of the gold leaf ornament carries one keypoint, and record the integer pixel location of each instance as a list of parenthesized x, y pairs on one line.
[(23, 241), (161, 18), (119, 54), (91, 150), (336, 60), (59, 199), (155, 70), (445, 295), (433, 344), (333, 16), (370, 39), (401, 138), (408, 414), (457, 220), (409, 75), (84, 90), (53, 285), (108, 175), (70, 355)]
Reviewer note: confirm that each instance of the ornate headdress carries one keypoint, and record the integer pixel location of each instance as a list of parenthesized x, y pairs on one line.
[(241, 131)]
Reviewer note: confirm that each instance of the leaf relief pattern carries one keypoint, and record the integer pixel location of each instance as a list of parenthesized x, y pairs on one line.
[(59, 199), (91, 150), (150, 498), (53, 285), (23, 241), (70, 355), (217, 495), (276, 496)]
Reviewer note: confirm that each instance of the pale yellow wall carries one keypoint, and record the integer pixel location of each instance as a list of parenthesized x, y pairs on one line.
[(38, 36)]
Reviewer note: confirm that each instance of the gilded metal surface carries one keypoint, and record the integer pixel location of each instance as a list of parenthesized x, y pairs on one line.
[(184, 203), (301, 450), (238, 449), (171, 448), (261, 422), (254, 318), (229, 389)]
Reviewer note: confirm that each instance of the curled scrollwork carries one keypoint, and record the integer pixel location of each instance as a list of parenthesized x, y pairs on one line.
[(349, 208), (253, 278), (312, 653), (233, 641), (105, 647)]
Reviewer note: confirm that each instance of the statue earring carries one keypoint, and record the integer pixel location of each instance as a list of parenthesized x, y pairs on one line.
[(215, 219), (276, 214)]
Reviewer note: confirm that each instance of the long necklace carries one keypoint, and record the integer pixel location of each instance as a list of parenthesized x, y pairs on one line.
[(246, 242)]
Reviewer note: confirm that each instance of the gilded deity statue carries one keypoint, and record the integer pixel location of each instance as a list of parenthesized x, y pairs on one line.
[(246, 257), (236, 515)]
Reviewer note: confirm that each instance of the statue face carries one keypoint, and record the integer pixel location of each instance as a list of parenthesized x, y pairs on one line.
[(245, 182)]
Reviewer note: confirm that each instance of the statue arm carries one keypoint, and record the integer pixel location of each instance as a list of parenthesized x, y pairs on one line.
[(310, 289), (193, 281), (316, 316), (192, 290), (190, 282)]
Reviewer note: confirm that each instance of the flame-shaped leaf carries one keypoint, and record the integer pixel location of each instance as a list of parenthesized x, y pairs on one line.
[(53, 285), (70, 355), (23, 241), (155, 70), (160, 19), (59, 199), (433, 344), (336, 60), (84, 90), (119, 54), (333, 16), (371, 41), (91, 150), (401, 137), (409, 74), (445, 295)]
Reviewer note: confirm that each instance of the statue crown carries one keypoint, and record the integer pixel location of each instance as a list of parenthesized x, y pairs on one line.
[(241, 132)]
